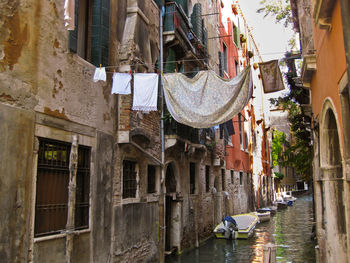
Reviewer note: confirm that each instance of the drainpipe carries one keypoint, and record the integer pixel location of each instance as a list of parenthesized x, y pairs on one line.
[(73, 165), (162, 180)]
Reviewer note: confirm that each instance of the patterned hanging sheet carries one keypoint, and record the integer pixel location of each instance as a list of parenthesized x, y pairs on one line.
[(206, 100)]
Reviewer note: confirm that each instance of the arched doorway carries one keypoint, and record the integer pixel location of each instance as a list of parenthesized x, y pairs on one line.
[(332, 187), (172, 210)]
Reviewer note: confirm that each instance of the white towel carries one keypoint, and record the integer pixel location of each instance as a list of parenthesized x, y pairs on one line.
[(69, 6), (145, 92), (100, 74), (121, 83)]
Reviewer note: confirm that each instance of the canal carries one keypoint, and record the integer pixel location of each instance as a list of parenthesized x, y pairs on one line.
[(290, 229)]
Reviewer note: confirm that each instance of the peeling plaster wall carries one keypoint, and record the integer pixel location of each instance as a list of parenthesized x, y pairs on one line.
[(16, 140), (39, 75)]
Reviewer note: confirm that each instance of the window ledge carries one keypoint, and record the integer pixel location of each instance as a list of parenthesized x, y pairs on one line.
[(62, 235), (152, 198), (130, 201)]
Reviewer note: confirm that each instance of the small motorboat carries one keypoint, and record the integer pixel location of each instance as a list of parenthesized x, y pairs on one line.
[(284, 204), (287, 196), (271, 209), (263, 216), (241, 227)]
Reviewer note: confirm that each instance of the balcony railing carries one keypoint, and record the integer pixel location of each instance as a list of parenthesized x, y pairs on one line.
[(176, 22)]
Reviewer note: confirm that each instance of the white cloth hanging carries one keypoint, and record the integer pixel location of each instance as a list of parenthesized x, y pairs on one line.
[(121, 83), (206, 100), (69, 7), (100, 74), (145, 92)]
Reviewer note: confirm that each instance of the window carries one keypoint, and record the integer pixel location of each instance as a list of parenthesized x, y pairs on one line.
[(236, 36), (129, 179), (83, 188), (151, 179), (240, 129), (223, 179), (241, 178), (51, 205), (245, 141), (192, 178), (236, 68), (207, 178), (90, 39), (225, 57), (232, 177)]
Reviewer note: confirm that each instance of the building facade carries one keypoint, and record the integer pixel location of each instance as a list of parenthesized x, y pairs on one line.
[(325, 53), (84, 178)]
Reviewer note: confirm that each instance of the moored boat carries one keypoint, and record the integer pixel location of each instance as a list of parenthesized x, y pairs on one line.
[(263, 216), (243, 228), (287, 196), (271, 209)]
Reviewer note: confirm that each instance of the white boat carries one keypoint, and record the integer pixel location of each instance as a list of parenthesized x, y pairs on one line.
[(271, 209), (287, 196), (241, 227), (263, 216)]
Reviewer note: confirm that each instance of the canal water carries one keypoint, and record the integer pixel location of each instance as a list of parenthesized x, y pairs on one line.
[(290, 229)]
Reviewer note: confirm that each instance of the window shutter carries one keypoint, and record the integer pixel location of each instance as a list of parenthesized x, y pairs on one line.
[(73, 34), (100, 33), (221, 64)]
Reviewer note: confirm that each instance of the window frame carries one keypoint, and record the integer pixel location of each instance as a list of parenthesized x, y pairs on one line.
[(207, 178), (136, 171), (192, 177), (241, 130), (57, 170), (225, 57), (241, 182), (223, 179)]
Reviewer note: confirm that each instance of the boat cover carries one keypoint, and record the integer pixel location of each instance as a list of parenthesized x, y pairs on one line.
[(244, 221)]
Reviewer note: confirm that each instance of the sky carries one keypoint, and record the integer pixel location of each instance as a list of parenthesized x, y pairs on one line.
[(271, 37)]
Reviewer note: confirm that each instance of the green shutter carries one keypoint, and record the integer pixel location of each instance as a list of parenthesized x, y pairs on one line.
[(73, 34), (170, 64), (237, 38), (221, 64), (100, 32)]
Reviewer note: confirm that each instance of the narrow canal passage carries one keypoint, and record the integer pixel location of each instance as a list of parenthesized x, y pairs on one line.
[(290, 229)]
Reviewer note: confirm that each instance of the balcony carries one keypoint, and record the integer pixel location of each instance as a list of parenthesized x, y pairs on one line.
[(179, 35)]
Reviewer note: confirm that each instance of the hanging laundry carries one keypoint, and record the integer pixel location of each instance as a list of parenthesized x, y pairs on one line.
[(100, 74), (121, 83), (206, 99), (69, 6), (271, 76), (145, 92)]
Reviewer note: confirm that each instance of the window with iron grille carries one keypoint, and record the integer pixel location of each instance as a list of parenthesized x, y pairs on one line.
[(129, 179), (241, 178), (192, 178), (223, 179), (151, 179), (51, 205), (207, 178), (232, 177)]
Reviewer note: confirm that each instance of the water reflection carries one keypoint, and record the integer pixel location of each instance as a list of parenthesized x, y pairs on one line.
[(290, 229)]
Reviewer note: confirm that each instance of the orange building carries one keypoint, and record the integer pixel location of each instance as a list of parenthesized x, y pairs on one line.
[(325, 52)]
